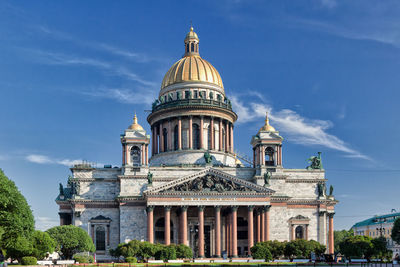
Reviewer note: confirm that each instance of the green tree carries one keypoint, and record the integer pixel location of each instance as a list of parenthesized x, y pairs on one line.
[(16, 219), (339, 236), (147, 250), (42, 244), (71, 239), (183, 252), (396, 231), (261, 251), (379, 249), (356, 246), (275, 247), (22, 247)]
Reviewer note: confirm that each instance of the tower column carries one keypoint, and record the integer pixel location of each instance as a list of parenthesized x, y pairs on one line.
[(147, 154), (190, 132), (167, 225), (161, 137), (179, 133), (201, 132), (250, 231), (169, 135), (201, 231), (153, 138), (142, 154), (262, 155), (150, 224), (226, 137), (217, 231), (331, 245), (212, 133), (220, 134), (231, 135)]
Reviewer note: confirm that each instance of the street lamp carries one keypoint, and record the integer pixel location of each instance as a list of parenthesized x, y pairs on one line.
[(381, 229)]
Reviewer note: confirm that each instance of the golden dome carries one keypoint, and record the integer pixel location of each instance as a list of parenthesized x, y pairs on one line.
[(192, 68), (267, 127), (135, 125)]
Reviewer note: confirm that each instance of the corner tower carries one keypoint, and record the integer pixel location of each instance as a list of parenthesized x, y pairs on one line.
[(135, 143), (267, 147), (192, 115)]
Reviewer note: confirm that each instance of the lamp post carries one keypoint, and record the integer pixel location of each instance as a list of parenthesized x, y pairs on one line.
[(381, 229)]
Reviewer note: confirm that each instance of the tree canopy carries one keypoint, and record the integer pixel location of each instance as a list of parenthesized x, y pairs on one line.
[(339, 236), (396, 231), (71, 239), (42, 243), (16, 219)]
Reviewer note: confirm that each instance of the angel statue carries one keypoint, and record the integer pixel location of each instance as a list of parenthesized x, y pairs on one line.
[(150, 178), (267, 176), (315, 161)]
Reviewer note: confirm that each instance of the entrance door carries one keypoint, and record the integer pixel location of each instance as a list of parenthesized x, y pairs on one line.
[(194, 241)]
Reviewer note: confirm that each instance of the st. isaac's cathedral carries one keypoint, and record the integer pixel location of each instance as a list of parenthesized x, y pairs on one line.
[(193, 189)]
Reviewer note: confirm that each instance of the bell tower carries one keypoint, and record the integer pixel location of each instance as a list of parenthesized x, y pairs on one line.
[(267, 147), (135, 146)]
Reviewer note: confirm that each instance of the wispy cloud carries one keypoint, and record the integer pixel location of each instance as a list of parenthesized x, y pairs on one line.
[(45, 223), (126, 54), (109, 68), (43, 159), (297, 129), (123, 95)]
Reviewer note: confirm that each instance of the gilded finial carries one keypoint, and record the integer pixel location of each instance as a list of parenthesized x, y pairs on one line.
[(135, 125), (135, 119), (266, 126)]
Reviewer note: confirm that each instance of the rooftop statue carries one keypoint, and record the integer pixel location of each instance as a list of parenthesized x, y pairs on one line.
[(316, 163), (207, 157), (61, 190), (150, 178), (267, 176), (321, 189)]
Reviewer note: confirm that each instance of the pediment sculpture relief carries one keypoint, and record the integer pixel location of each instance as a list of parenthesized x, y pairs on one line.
[(209, 183)]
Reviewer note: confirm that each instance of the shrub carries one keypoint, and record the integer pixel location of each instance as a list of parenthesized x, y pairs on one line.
[(83, 258), (131, 259), (42, 244), (261, 251), (166, 253), (183, 252), (28, 260)]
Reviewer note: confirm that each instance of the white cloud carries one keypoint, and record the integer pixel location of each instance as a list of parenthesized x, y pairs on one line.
[(109, 68), (45, 223), (123, 95), (42, 159), (297, 129)]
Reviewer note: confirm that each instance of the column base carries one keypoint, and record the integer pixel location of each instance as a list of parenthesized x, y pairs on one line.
[(217, 256), (234, 256)]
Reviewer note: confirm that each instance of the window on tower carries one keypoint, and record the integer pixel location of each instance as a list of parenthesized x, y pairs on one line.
[(196, 136), (269, 157), (165, 139), (176, 137), (135, 156)]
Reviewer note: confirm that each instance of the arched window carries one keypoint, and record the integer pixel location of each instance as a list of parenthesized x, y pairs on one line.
[(209, 136), (165, 136), (160, 229), (192, 47), (196, 136), (299, 232), (176, 137), (269, 156), (100, 238), (187, 48), (135, 156)]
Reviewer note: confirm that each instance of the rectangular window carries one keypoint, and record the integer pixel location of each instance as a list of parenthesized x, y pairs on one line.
[(187, 94), (196, 94)]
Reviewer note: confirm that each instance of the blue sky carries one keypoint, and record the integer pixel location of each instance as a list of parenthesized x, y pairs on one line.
[(72, 74)]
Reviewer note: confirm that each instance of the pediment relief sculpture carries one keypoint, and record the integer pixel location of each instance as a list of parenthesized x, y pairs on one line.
[(209, 183)]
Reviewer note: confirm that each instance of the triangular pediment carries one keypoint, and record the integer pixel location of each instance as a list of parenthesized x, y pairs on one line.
[(209, 181)]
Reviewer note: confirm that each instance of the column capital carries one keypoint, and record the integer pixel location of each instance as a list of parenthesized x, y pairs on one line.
[(184, 208), (201, 208), (250, 208), (218, 208), (149, 208), (331, 214), (266, 208), (167, 208), (234, 208)]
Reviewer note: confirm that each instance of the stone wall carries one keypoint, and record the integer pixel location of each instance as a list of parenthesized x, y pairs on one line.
[(133, 223)]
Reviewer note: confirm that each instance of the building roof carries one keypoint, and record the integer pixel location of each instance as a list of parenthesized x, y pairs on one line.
[(378, 219)]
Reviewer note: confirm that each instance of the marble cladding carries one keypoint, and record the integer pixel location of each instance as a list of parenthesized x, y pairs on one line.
[(133, 223)]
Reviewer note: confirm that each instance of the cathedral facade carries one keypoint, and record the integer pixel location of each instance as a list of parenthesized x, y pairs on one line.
[(193, 189)]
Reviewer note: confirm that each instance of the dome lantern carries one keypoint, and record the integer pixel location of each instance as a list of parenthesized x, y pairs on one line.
[(267, 127), (191, 43)]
